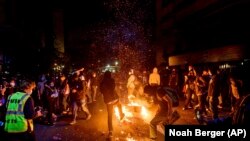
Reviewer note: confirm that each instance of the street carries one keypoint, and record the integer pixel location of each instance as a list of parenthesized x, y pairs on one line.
[(132, 128)]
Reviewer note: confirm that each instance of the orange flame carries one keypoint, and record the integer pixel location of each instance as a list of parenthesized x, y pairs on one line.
[(128, 114), (130, 139)]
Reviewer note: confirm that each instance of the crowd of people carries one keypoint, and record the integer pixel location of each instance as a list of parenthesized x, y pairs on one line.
[(23, 99), (208, 89)]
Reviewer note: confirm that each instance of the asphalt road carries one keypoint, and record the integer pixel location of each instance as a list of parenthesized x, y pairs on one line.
[(133, 128)]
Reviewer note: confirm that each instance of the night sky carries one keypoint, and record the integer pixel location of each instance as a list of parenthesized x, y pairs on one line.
[(104, 30), (85, 13), (93, 30)]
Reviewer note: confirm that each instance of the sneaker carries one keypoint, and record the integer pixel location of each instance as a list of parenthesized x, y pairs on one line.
[(208, 110), (72, 122), (152, 139), (219, 106), (88, 117), (197, 106), (68, 110), (174, 117)]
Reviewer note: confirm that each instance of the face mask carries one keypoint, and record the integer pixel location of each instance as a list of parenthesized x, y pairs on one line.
[(82, 78), (43, 78), (12, 84)]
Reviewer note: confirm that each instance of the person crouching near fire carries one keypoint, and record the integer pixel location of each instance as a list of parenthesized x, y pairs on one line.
[(20, 114), (163, 113)]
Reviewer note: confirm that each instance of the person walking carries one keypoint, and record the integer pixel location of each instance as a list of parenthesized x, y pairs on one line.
[(111, 99), (94, 85), (77, 98)]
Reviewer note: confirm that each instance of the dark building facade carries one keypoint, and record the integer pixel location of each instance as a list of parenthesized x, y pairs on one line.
[(197, 32), (31, 35)]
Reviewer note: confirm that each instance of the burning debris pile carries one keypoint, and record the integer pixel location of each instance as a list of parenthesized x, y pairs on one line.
[(135, 124), (136, 108)]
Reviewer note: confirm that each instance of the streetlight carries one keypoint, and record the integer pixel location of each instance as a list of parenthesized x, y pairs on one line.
[(116, 63)]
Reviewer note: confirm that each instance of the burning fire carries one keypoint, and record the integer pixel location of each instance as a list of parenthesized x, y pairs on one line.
[(136, 108), (130, 139), (131, 109)]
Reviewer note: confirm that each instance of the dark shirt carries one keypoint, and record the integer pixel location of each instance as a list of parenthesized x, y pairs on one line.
[(107, 88), (62, 84), (29, 110), (78, 86), (164, 108), (2, 107), (214, 86), (190, 82), (207, 79)]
